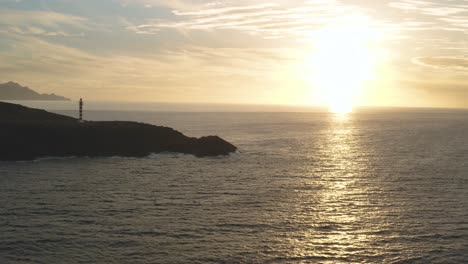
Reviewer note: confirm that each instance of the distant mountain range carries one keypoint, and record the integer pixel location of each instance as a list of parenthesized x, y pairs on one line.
[(14, 91)]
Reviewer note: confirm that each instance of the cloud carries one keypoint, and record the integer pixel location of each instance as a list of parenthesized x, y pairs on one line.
[(178, 4), (448, 16), (430, 8), (450, 63), (181, 74), (270, 20), (45, 23), (458, 21), (299, 19)]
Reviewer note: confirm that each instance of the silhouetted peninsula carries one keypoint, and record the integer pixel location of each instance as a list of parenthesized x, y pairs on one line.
[(28, 134), (14, 91)]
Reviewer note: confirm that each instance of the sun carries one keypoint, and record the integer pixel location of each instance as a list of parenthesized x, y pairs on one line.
[(340, 108), (342, 62)]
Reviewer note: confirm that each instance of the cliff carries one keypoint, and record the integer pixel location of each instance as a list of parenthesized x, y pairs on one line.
[(13, 91), (27, 134)]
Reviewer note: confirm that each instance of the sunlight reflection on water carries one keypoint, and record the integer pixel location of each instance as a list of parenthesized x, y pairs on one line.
[(341, 183), (340, 222), (305, 188)]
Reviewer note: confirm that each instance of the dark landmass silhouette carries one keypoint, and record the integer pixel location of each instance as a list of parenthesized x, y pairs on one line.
[(28, 134), (14, 91)]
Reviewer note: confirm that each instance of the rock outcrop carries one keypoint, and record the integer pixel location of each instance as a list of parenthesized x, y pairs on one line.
[(27, 134)]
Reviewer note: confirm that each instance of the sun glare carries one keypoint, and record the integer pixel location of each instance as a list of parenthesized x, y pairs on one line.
[(343, 61), (340, 107)]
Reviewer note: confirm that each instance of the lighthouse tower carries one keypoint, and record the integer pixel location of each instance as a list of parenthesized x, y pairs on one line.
[(81, 110)]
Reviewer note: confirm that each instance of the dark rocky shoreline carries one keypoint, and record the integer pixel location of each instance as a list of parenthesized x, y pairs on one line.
[(28, 134)]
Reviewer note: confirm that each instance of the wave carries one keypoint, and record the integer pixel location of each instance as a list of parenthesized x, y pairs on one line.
[(150, 156)]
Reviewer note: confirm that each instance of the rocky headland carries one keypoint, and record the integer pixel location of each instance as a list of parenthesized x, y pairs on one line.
[(28, 134)]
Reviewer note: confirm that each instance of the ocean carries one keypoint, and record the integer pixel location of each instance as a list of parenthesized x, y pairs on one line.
[(373, 186)]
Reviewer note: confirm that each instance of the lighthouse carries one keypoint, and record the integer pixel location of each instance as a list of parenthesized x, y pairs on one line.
[(81, 109)]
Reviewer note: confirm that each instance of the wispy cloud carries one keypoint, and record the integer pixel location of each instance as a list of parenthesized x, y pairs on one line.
[(268, 20), (46, 23), (200, 73), (449, 15), (445, 63), (430, 8), (178, 4)]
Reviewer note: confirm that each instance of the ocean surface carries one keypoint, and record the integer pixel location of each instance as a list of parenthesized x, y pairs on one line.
[(374, 186)]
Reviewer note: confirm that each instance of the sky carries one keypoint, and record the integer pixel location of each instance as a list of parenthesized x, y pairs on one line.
[(294, 52)]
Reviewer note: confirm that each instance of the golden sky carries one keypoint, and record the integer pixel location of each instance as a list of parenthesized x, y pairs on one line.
[(322, 52)]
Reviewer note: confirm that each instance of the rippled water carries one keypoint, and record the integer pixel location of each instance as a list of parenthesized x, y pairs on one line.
[(370, 187)]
